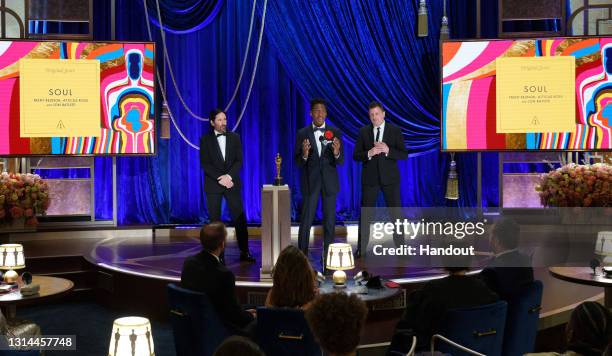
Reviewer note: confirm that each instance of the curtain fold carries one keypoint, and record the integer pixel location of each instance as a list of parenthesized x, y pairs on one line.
[(184, 16)]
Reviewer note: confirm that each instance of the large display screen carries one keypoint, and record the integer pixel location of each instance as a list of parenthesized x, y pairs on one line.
[(76, 98), (527, 94)]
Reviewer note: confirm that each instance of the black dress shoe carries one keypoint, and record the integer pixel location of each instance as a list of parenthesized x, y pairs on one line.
[(246, 257)]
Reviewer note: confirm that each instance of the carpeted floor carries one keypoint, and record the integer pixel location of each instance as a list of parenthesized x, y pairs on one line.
[(92, 324)]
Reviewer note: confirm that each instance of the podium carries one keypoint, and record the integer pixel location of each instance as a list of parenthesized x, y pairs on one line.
[(275, 226)]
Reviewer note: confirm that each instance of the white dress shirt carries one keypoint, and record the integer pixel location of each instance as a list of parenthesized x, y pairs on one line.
[(380, 138), (221, 140), (382, 132), (317, 135)]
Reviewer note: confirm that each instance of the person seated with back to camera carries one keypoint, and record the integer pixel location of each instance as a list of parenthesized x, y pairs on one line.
[(426, 307), (336, 321), (205, 273), (294, 281), (509, 269), (588, 332)]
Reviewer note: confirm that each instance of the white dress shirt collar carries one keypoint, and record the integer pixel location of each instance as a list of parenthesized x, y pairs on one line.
[(382, 130)]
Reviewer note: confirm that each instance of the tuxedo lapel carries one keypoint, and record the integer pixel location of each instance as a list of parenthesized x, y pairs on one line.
[(229, 142), (386, 133), (370, 135), (313, 142)]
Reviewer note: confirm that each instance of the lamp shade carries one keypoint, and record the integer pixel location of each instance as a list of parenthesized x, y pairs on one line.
[(339, 257), (603, 246), (131, 337), (11, 257)]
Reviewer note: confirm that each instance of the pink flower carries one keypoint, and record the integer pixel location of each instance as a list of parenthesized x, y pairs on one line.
[(16, 212)]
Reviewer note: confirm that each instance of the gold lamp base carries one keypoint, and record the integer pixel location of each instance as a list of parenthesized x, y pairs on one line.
[(339, 278), (10, 277)]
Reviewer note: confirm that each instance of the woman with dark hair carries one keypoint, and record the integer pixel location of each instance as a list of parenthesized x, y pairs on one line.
[(588, 331), (293, 279)]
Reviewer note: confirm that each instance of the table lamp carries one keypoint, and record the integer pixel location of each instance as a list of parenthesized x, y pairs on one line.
[(603, 247), (339, 258), (131, 337), (11, 258)]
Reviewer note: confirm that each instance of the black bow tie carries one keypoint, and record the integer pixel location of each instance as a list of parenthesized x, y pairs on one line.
[(221, 134), (321, 129)]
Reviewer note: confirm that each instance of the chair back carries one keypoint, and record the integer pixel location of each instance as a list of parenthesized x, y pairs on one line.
[(284, 331), (197, 328), (478, 328), (522, 320)]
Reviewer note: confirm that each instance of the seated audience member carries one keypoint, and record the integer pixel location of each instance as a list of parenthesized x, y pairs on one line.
[(509, 269), (588, 332), (205, 273), (426, 307), (293, 278), (336, 321), (238, 345)]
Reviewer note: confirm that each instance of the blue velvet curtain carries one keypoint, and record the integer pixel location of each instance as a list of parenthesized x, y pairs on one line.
[(184, 16), (349, 52)]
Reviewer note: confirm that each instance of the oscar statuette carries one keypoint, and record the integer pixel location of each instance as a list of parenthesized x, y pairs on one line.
[(278, 180)]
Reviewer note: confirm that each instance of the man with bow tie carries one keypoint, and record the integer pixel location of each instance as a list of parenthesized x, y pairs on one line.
[(318, 151), (221, 159)]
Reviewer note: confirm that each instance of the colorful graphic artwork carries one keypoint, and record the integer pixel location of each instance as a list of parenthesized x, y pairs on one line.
[(127, 116), (469, 95)]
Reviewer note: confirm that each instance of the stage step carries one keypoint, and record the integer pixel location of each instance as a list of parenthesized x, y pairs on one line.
[(74, 268)]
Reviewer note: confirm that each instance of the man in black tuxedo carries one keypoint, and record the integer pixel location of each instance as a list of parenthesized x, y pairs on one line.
[(318, 151), (379, 146), (205, 273), (221, 159), (509, 269)]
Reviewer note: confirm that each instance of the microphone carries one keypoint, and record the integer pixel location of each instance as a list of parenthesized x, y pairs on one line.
[(594, 264), (320, 277), (361, 276)]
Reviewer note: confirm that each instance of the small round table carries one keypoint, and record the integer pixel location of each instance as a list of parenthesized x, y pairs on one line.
[(372, 295), (584, 275), (50, 287)]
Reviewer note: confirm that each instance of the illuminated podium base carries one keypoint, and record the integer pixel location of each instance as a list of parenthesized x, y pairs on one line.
[(275, 226)]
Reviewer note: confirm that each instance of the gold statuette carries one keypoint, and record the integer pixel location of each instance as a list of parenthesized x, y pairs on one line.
[(278, 180)]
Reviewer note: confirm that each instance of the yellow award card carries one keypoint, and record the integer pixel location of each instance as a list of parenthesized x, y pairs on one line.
[(59, 98), (535, 94)]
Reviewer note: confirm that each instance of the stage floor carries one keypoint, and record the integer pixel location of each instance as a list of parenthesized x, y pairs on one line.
[(134, 250), (163, 257)]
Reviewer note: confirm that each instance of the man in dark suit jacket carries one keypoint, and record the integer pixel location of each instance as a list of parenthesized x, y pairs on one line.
[(509, 270), (318, 151), (206, 274), (221, 159), (426, 307), (379, 146)]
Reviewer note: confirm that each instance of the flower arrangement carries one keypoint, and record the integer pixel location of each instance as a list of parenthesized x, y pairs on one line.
[(22, 196), (574, 185)]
